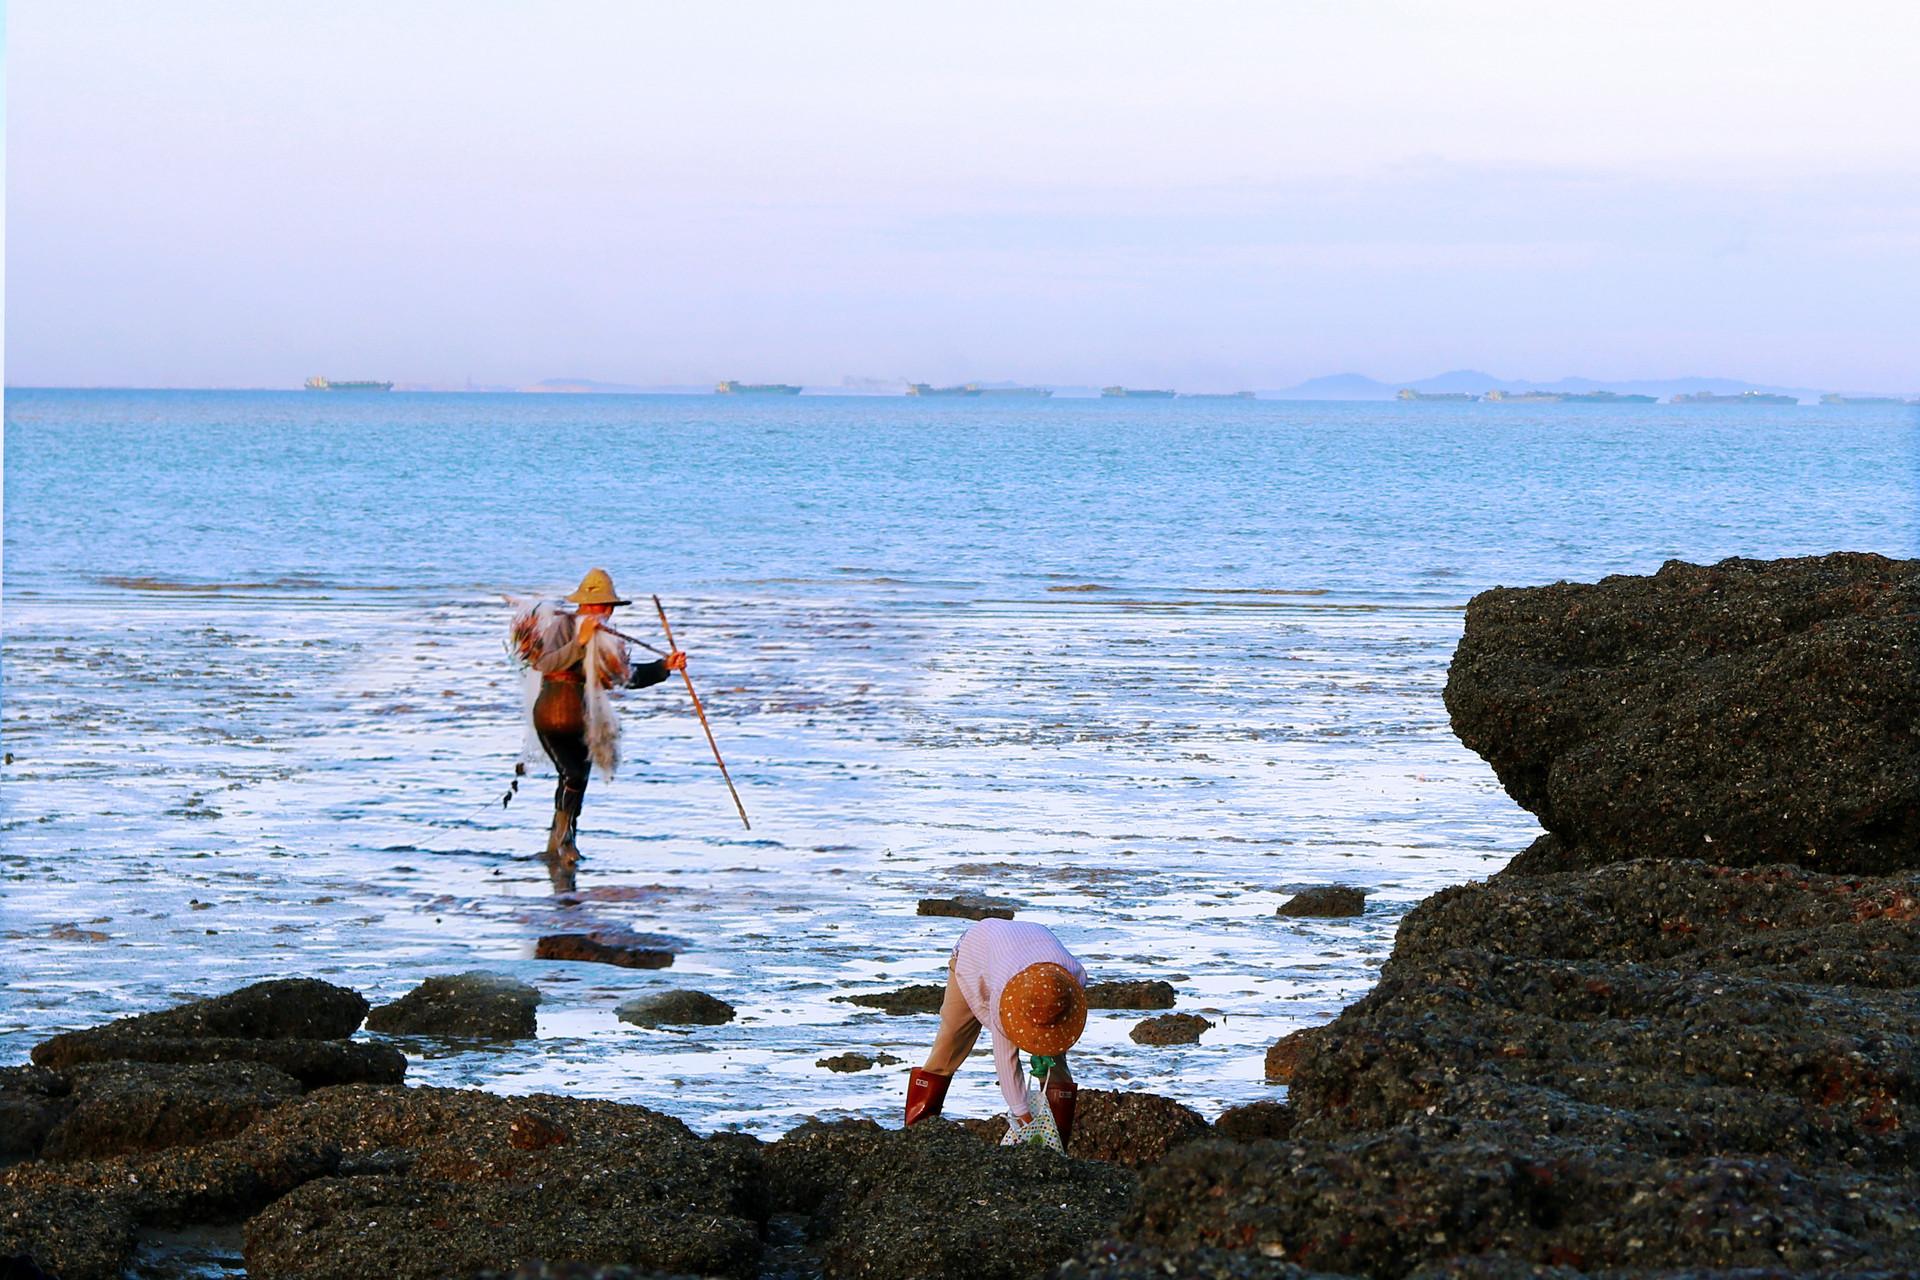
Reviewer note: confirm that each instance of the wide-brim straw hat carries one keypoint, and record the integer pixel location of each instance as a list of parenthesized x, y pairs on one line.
[(1043, 1009), (597, 588)]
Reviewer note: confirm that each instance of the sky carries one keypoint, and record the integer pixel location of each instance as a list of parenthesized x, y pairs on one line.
[(1209, 195)]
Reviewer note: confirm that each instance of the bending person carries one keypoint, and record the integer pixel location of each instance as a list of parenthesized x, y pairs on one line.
[(572, 715), (1016, 980)]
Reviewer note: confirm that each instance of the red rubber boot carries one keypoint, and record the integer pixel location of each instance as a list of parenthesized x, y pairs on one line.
[(925, 1092), (1062, 1094)]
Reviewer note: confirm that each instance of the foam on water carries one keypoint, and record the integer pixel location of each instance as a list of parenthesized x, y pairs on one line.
[(260, 714)]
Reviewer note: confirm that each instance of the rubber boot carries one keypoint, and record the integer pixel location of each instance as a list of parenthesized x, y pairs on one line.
[(1062, 1094), (925, 1094)]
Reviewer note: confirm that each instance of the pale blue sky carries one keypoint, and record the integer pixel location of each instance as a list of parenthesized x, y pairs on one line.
[(1203, 195)]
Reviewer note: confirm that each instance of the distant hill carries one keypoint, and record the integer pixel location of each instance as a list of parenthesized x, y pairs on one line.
[(1336, 386)]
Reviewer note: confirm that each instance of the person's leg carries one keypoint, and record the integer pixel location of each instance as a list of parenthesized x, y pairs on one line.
[(568, 751), (959, 1029)]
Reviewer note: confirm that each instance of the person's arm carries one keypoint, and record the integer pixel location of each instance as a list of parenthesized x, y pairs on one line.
[(1013, 1081), (646, 674)]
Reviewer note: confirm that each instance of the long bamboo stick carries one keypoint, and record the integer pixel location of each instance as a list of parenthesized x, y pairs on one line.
[(702, 713)]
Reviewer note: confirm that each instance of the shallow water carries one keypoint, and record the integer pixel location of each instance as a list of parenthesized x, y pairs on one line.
[(1141, 667)]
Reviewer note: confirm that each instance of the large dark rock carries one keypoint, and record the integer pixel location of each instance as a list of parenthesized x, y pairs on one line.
[(477, 1005), (296, 1025), (931, 1203), (1745, 713), (122, 1108), (32, 1101), (451, 1182), (313, 1063), (79, 1219), (1649, 1067)]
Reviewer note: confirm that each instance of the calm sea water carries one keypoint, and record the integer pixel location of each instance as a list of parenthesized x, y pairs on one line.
[(1141, 666)]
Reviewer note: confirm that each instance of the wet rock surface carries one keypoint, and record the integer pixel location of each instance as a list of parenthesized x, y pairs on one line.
[(856, 1062), (1148, 994), (675, 1009), (1654, 1065), (295, 1025), (123, 1108), (1254, 1121), (1170, 1028), (32, 1101), (933, 1202), (455, 1186), (1746, 712), (1325, 901), (1131, 1129), (969, 907), (1283, 1056), (622, 950), (924, 997), (476, 1005)]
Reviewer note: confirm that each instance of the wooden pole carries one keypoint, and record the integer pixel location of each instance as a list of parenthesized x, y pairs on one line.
[(702, 713)]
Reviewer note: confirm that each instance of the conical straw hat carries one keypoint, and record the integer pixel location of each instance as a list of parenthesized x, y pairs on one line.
[(597, 588)]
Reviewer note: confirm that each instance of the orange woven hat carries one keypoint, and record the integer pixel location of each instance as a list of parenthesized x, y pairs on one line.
[(1043, 1009)]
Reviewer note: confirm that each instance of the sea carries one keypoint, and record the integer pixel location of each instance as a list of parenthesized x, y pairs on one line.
[(1142, 668)]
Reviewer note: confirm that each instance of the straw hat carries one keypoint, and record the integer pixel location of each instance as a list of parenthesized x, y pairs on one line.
[(1043, 1009), (597, 588)]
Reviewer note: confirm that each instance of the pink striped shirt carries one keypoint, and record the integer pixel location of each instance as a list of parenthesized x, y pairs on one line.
[(984, 961)]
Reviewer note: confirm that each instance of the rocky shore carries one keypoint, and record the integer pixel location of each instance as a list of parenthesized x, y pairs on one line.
[(1679, 1036)]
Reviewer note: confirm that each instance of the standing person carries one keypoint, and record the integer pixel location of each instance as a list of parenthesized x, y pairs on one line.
[(1016, 980), (578, 663)]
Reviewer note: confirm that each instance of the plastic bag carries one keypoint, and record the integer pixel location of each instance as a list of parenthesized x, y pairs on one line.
[(1040, 1131)]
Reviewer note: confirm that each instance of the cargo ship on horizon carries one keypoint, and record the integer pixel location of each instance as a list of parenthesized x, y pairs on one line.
[(1835, 398), (1744, 397), (927, 389), (1131, 393), (1565, 397), (732, 388), (328, 384), (1451, 397)]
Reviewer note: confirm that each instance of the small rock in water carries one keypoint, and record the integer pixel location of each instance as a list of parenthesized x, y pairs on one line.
[(1171, 1028), (1325, 900), (675, 1009), (922, 997), (625, 950), (969, 907), (856, 1062), (477, 1005), (1150, 994)]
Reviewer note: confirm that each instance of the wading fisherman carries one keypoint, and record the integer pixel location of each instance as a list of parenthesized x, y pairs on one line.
[(1019, 982), (577, 663)]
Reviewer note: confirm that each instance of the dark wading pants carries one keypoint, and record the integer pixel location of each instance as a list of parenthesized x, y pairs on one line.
[(560, 722)]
